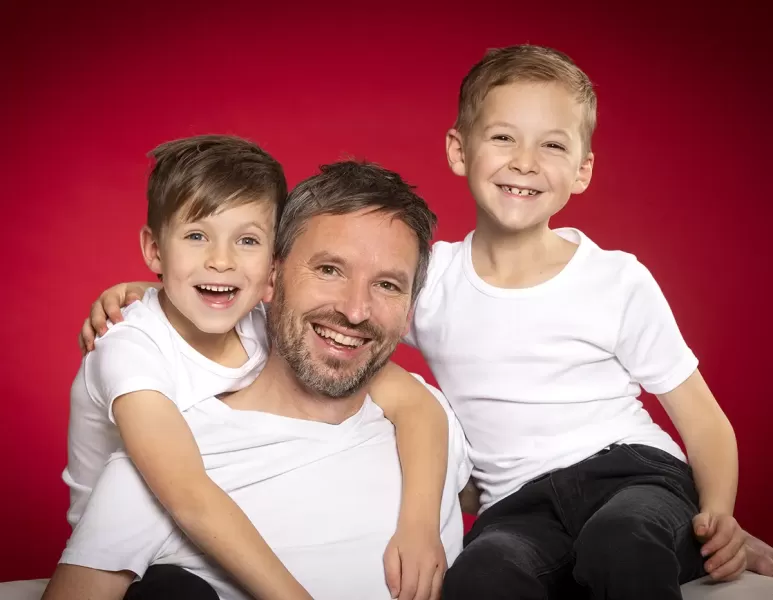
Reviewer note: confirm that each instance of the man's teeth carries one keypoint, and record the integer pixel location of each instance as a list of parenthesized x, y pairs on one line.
[(519, 191), (344, 340)]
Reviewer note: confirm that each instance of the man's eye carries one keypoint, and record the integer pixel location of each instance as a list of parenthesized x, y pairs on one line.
[(388, 286), (328, 270)]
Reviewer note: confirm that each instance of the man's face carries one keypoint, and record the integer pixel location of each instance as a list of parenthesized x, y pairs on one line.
[(342, 299)]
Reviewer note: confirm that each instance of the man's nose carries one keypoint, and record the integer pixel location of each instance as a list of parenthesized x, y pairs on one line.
[(356, 301)]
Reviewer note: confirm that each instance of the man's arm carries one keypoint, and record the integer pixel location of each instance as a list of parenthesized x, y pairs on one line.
[(162, 447), (713, 453), (72, 581), (415, 560)]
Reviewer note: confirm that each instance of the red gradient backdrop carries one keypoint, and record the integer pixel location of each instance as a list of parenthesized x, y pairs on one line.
[(681, 172)]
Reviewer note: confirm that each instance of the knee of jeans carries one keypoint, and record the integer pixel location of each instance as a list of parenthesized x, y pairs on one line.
[(496, 551), (614, 537)]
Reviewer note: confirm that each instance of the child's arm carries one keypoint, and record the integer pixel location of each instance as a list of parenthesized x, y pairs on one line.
[(415, 559), (108, 306), (163, 449), (72, 581), (713, 454)]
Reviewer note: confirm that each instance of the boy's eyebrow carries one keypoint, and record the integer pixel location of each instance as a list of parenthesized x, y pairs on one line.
[(256, 224), (507, 125)]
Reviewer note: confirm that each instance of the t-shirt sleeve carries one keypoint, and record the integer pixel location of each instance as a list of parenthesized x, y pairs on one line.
[(650, 345), (127, 360), (123, 527), (438, 260)]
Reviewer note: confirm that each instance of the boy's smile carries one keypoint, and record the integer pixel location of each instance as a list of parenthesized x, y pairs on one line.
[(215, 270), (523, 157)]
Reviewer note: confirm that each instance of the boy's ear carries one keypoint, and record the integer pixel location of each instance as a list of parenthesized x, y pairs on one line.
[(584, 175), (455, 152), (150, 250), (269, 294)]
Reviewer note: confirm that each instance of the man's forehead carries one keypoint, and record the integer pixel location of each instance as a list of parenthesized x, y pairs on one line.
[(361, 234)]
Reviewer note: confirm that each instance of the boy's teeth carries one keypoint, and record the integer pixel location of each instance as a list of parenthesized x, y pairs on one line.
[(518, 191), (344, 340), (217, 288)]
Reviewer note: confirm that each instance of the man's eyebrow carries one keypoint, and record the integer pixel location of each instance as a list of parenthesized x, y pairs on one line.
[(398, 275), (326, 256)]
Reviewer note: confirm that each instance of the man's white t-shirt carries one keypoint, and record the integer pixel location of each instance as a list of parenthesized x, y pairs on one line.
[(144, 352), (325, 498), (544, 377)]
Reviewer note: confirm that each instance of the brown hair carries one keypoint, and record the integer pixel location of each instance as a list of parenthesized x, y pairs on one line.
[(346, 187), (530, 64), (203, 174)]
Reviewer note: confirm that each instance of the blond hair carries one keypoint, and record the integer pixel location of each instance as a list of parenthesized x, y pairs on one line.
[(525, 63)]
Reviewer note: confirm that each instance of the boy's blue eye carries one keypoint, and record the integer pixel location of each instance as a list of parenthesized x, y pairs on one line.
[(250, 241), (196, 237)]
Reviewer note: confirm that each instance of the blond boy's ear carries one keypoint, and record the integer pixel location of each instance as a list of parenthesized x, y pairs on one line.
[(150, 250), (455, 152), (584, 175)]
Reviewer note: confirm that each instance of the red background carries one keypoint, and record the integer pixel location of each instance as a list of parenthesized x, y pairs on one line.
[(681, 172)]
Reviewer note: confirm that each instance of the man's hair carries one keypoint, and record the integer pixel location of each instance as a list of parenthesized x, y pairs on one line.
[(347, 187), (525, 63), (201, 175)]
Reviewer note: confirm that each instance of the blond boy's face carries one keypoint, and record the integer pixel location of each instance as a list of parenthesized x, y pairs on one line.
[(215, 270), (524, 155)]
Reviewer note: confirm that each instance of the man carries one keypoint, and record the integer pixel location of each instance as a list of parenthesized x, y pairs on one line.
[(303, 451)]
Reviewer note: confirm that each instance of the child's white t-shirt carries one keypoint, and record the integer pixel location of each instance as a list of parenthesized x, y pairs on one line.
[(144, 352), (544, 377)]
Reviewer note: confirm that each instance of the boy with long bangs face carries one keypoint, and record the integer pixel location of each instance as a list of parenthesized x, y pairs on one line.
[(213, 205)]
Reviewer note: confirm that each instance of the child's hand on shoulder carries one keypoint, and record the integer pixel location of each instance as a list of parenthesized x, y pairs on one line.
[(723, 545), (415, 563)]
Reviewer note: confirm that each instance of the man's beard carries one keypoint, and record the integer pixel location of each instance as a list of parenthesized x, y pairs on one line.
[(328, 376)]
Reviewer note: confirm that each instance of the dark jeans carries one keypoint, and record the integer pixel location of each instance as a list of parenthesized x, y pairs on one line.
[(616, 526), (170, 582)]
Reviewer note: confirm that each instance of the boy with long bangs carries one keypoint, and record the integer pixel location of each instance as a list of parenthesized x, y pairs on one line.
[(542, 341), (213, 204)]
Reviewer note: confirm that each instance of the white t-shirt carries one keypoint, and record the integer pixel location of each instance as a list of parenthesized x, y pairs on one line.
[(324, 497), (544, 377), (144, 352)]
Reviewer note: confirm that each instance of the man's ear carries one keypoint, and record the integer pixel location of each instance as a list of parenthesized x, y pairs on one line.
[(584, 175), (455, 152), (408, 321), (150, 250)]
